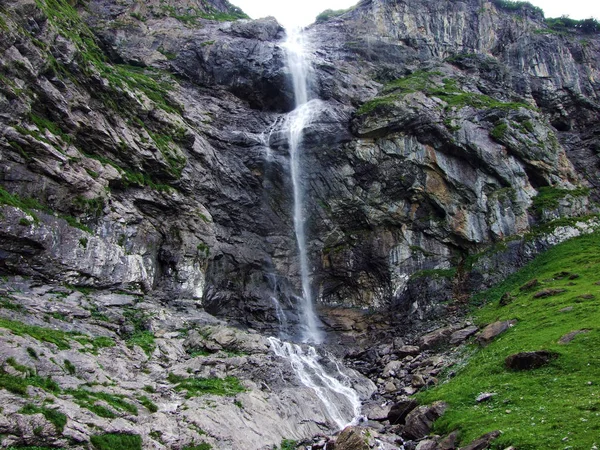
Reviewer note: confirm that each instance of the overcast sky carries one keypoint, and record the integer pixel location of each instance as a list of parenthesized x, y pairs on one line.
[(303, 12)]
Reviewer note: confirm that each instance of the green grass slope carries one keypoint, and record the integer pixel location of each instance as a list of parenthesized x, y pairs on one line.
[(553, 407)]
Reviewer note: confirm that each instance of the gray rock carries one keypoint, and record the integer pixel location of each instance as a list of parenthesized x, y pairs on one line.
[(420, 420), (493, 330), (461, 335), (376, 410), (351, 438), (483, 442), (570, 336)]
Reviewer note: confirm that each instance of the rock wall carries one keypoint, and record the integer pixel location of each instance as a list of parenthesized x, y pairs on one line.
[(142, 149)]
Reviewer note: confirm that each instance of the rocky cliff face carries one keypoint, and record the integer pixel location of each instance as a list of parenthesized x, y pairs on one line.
[(145, 181), (142, 149)]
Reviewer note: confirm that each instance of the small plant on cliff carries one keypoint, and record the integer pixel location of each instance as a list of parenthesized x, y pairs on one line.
[(330, 13), (195, 387), (58, 419), (116, 441)]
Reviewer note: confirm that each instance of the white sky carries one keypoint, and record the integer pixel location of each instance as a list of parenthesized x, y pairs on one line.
[(303, 12)]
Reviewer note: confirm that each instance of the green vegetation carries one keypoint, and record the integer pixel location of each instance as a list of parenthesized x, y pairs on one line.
[(548, 197), (535, 409), (519, 6), (140, 336), (116, 441), (499, 131), (196, 387), (201, 446), (191, 15), (288, 444), (148, 404), (58, 419), (27, 205), (70, 367), (59, 338), (8, 304), (330, 14), (564, 23), (88, 399), (18, 384), (430, 84), (435, 273)]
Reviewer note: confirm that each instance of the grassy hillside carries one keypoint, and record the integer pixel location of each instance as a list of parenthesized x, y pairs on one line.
[(553, 407)]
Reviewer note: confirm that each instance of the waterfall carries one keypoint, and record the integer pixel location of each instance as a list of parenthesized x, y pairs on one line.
[(341, 402), (296, 124)]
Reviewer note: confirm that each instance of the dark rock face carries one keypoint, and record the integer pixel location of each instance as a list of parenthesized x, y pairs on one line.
[(419, 421), (151, 155), (399, 411), (529, 360)]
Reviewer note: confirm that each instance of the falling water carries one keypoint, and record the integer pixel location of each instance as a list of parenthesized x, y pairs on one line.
[(341, 402), (297, 122)]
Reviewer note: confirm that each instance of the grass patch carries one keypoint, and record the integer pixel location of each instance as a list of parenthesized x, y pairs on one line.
[(288, 444), (29, 204), (517, 6), (430, 84), (116, 441), (18, 384), (535, 409), (330, 14), (58, 419), (145, 339), (148, 404), (88, 399), (201, 446), (57, 337), (196, 387), (61, 339), (548, 197), (435, 273)]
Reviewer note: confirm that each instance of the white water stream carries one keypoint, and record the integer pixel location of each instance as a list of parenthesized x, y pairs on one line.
[(341, 402)]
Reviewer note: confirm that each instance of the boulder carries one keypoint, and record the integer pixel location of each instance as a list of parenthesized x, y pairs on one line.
[(392, 368), (449, 442), (420, 420), (427, 444), (351, 438), (548, 293), (493, 330), (570, 336), (483, 442), (529, 360), (376, 410), (461, 335), (407, 350), (400, 410), (435, 338)]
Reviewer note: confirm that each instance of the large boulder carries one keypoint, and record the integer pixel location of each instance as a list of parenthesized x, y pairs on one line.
[(420, 420), (529, 360), (493, 330)]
